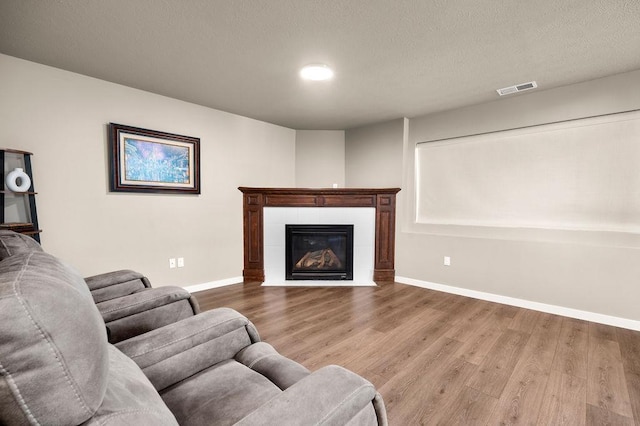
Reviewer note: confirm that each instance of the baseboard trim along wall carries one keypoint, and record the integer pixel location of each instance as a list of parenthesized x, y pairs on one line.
[(521, 303), (213, 284)]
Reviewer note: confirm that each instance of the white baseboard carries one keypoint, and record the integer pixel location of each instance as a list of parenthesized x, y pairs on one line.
[(521, 303), (213, 284)]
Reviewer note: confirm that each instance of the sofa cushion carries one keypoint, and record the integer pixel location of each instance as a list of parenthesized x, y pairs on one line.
[(12, 243), (177, 351), (233, 391), (53, 344)]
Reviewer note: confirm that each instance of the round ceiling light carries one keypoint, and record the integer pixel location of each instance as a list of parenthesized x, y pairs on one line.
[(316, 72)]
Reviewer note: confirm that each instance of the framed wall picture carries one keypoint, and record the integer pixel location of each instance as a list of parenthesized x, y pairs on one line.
[(143, 160)]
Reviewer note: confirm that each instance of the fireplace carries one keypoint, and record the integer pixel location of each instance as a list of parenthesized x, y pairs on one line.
[(256, 200), (319, 252)]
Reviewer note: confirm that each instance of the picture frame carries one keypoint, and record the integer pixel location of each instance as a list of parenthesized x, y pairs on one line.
[(143, 160)]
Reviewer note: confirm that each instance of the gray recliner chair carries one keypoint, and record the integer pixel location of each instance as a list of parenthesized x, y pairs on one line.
[(128, 304), (57, 366)]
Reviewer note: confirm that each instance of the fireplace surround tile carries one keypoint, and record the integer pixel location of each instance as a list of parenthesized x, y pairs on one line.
[(275, 219)]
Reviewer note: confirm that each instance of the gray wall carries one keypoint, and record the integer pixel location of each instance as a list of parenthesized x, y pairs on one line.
[(575, 270), (373, 155), (61, 117), (320, 158)]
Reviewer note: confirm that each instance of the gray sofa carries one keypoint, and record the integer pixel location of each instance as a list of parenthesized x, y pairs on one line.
[(57, 366)]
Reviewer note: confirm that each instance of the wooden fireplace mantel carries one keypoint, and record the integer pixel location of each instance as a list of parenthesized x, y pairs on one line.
[(382, 199)]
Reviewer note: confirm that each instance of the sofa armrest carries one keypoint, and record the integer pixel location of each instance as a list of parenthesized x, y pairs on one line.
[(135, 303), (116, 284), (331, 395), (139, 313), (176, 351), (264, 359)]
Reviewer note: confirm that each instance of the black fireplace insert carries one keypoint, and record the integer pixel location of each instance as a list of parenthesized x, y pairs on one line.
[(319, 252)]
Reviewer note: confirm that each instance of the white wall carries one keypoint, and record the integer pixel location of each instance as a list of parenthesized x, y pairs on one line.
[(570, 269), (62, 118), (319, 158)]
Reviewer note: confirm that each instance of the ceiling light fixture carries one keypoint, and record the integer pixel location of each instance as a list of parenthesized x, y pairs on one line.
[(316, 72)]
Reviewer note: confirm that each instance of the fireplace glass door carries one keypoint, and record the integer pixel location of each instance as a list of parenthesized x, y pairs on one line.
[(319, 252)]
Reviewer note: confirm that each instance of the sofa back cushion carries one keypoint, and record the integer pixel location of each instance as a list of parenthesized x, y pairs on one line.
[(12, 243), (53, 344), (130, 399)]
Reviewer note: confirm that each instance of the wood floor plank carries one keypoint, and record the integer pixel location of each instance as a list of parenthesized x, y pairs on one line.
[(543, 344), (564, 401), (389, 358), (409, 385), (602, 331), (439, 387), (629, 342), (468, 407), (447, 385), (507, 311), (440, 358), (297, 324), (456, 309), (467, 327), (396, 311), (571, 355), (633, 387), (476, 349), (597, 416), (606, 383), (307, 329), (525, 320), (523, 394), (346, 350), (495, 370)]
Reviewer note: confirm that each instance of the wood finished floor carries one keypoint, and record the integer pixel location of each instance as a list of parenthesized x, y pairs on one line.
[(438, 358)]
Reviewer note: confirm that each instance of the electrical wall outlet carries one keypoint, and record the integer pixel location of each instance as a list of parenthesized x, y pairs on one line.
[(172, 263), (447, 261), (181, 262)]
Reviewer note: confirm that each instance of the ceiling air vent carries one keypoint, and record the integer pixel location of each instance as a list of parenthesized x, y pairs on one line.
[(517, 88)]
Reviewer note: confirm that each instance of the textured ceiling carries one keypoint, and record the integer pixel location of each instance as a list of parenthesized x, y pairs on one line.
[(392, 58)]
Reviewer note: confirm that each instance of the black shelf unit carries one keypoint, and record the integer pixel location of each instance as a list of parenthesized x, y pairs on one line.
[(34, 230)]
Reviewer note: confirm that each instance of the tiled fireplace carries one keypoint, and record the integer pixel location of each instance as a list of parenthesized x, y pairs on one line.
[(268, 211)]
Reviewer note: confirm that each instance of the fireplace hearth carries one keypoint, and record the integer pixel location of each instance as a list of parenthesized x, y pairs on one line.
[(319, 252)]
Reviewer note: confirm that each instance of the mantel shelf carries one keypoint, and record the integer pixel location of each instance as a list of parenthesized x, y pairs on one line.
[(319, 191)]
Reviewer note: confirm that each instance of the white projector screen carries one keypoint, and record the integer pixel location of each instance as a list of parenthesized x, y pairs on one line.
[(582, 174)]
